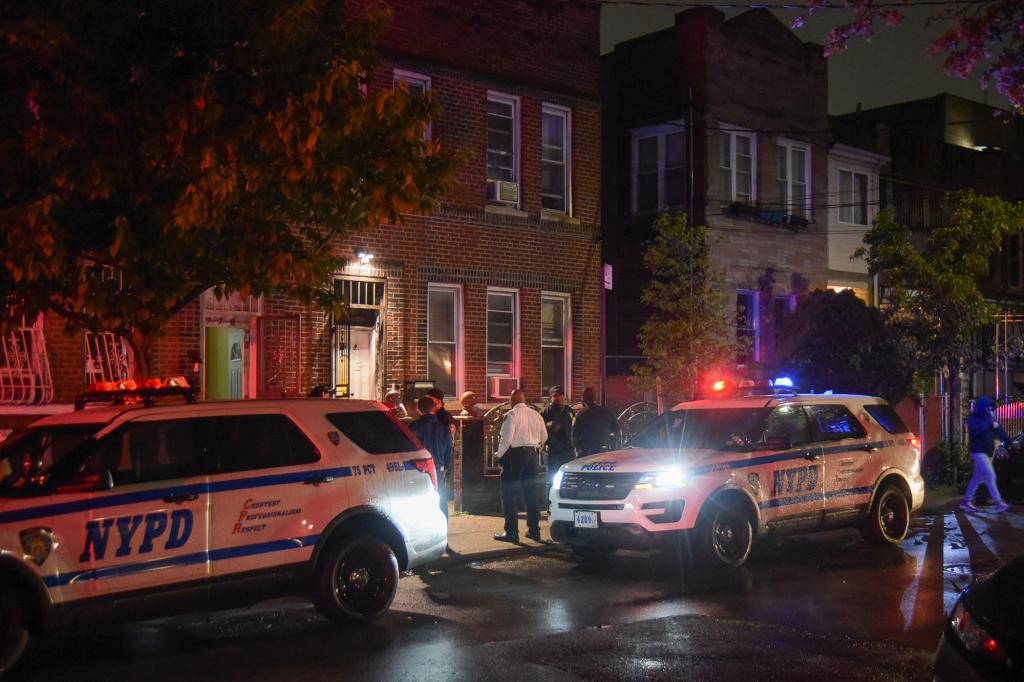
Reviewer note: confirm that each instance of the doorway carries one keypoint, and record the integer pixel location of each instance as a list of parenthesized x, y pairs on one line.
[(225, 363), (362, 364)]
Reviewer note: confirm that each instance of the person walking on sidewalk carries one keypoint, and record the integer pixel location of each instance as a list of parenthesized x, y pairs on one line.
[(522, 436), (982, 432), (558, 419), (594, 426), (437, 439)]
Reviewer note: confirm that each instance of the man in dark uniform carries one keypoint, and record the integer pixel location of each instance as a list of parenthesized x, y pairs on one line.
[(594, 426), (437, 439), (443, 415), (558, 418)]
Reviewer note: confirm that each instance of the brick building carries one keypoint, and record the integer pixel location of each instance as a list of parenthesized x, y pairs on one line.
[(727, 121), (497, 287), (938, 144)]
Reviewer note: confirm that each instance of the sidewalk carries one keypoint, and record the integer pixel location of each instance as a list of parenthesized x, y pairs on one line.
[(471, 538)]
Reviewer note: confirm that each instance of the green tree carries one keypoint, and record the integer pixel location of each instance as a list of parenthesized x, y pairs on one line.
[(154, 151), (933, 298), (689, 329), (836, 341)]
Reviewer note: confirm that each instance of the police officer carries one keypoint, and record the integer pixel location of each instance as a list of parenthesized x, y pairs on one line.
[(437, 439), (558, 419), (594, 426), (522, 436)]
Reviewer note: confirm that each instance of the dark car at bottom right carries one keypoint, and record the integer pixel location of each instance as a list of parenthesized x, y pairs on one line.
[(984, 634)]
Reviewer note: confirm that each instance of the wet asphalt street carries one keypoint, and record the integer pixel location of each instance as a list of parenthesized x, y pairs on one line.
[(803, 608)]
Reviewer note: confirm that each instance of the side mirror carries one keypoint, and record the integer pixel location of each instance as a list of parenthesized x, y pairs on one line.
[(88, 483), (778, 443)]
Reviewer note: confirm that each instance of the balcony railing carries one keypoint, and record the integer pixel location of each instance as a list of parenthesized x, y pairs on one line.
[(24, 367)]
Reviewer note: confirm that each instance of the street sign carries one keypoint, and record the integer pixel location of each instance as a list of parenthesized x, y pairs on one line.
[(607, 276)]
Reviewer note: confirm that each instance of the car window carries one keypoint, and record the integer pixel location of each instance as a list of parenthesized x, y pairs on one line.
[(26, 454), (731, 427), (887, 417), (375, 432), (834, 422), (789, 421), (140, 452), (254, 441)]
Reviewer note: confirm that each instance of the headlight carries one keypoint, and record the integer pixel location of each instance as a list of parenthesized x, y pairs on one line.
[(556, 482), (670, 478), (973, 636)]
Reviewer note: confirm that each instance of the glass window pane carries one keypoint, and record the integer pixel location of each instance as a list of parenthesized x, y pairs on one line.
[(744, 184), (552, 321), (553, 186), (499, 302), (647, 153), (782, 162), (647, 191), (799, 165), (499, 328), (742, 145), (373, 432), (499, 354), (675, 185), (499, 108), (553, 132), (552, 368), (441, 361), (441, 316), (673, 150)]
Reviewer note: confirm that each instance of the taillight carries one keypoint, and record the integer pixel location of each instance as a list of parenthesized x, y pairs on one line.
[(916, 444), (427, 467), (973, 636)]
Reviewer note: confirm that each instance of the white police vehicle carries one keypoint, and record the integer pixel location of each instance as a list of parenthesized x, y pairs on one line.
[(127, 512), (718, 473)]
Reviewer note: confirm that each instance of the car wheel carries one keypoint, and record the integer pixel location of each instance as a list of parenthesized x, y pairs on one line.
[(725, 535), (13, 631), (356, 579), (889, 518)]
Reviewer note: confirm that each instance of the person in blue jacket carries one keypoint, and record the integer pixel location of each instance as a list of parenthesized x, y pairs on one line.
[(982, 432), (437, 439)]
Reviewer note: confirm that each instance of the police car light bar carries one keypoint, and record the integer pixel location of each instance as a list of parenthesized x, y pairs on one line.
[(128, 392)]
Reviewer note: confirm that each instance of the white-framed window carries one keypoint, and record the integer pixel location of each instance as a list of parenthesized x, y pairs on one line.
[(417, 85), (738, 159), (853, 197), (555, 342), (502, 332), (748, 346), (658, 155), (555, 159), (444, 337), (794, 173), (502, 139)]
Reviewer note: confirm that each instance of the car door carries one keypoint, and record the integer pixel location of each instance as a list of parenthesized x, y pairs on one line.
[(149, 528), (847, 455), (792, 488), (266, 509)]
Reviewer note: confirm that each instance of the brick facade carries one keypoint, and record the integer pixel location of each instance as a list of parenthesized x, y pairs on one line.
[(748, 73), (539, 53)]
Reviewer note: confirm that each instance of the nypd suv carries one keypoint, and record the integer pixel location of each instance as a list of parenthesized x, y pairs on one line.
[(717, 473), (132, 511)]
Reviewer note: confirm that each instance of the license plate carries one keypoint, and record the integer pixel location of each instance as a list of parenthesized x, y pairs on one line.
[(586, 519)]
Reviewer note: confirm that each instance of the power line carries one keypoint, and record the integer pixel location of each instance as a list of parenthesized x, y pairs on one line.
[(775, 6)]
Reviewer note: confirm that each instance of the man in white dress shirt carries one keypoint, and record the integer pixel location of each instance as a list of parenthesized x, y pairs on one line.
[(522, 436)]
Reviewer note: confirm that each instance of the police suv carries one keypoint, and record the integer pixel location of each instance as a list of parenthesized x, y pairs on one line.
[(718, 473), (132, 511)]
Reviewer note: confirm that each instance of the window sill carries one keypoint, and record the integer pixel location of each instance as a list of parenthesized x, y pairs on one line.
[(558, 217), (505, 210)]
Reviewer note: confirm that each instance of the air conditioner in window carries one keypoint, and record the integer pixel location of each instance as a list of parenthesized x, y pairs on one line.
[(503, 192), (502, 387)]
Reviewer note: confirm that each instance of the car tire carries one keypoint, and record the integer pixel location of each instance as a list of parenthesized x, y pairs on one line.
[(725, 535), (356, 579), (888, 519), (13, 630)]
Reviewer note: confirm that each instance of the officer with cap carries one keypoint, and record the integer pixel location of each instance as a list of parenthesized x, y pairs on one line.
[(558, 418)]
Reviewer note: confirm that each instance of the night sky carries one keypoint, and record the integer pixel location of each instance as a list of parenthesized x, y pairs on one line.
[(894, 67)]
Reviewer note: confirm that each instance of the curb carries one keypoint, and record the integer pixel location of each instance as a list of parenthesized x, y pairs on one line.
[(449, 560)]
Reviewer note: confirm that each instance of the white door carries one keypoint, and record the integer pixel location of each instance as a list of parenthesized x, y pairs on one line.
[(362, 365)]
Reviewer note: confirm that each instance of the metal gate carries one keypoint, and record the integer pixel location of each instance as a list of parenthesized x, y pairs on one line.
[(279, 356)]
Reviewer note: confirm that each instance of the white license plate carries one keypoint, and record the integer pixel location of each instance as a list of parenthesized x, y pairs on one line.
[(586, 519)]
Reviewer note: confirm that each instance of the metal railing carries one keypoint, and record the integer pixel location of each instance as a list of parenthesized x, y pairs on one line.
[(24, 367)]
